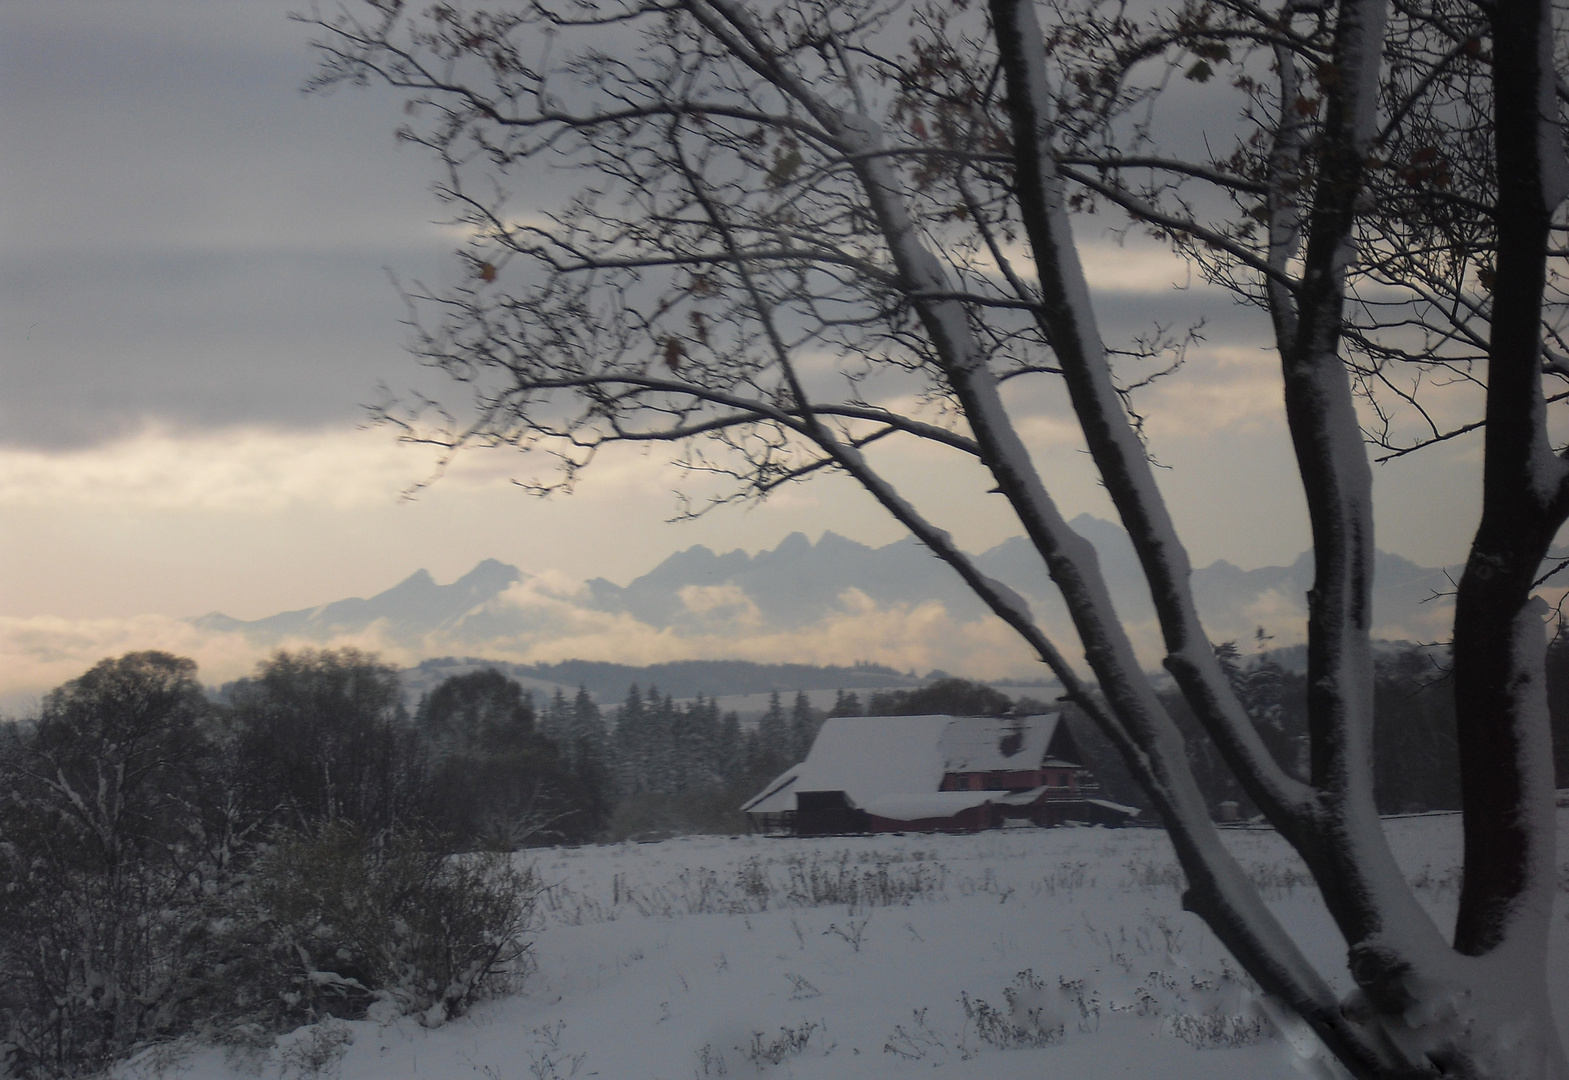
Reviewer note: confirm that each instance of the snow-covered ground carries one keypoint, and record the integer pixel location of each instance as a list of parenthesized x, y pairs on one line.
[(1011, 954)]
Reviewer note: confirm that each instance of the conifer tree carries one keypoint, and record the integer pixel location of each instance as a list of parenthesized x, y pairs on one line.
[(803, 726), (556, 720), (773, 735), (730, 750), (660, 752), (630, 742), (697, 745), (586, 728), (846, 704)]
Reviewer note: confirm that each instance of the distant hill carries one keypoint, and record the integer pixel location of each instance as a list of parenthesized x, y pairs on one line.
[(608, 682)]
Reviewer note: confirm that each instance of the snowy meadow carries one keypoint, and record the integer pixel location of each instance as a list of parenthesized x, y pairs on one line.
[(1009, 954)]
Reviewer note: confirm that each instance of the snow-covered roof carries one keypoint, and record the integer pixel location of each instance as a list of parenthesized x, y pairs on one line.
[(777, 797), (996, 743), (866, 757), (874, 758), (1131, 811), (929, 804)]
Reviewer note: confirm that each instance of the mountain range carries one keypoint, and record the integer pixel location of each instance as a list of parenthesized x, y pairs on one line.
[(803, 598)]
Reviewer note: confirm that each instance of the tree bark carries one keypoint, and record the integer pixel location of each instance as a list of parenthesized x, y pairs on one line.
[(1500, 645)]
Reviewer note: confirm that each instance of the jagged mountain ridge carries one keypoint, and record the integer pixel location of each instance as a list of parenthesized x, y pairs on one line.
[(414, 605), (798, 584)]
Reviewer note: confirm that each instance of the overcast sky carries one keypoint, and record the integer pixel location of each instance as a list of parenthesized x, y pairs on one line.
[(196, 304)]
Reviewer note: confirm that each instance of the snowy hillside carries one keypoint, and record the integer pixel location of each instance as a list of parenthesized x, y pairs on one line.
[(1012, 954)]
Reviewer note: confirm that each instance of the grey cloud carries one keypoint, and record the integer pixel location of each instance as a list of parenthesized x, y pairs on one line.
[(193, 242), (190, 240), (1123, 314), (192, 339)]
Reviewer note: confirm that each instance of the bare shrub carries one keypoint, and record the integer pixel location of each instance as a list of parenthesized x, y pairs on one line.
[(1029, 1021), (1215, 1029), (549, 1060), (336, 919), (853, 933), (711, 1061), (801, 988), (832, 882), (788, 1043), (916, 1042), (818, 880)]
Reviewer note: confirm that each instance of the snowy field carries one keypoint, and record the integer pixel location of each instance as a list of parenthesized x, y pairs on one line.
[(1004, 955)]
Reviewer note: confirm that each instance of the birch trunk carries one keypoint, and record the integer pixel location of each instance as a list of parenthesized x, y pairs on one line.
[(1499, 646)]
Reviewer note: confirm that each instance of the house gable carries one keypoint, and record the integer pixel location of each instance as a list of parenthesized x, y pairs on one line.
[(1061, 746)]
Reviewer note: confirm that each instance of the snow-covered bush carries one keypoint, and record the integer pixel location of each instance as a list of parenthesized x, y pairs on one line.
[(336, 920)]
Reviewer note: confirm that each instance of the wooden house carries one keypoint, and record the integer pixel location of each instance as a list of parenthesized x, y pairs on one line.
[(934, 774)]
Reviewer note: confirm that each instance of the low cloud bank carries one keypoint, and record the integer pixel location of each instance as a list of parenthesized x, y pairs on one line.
[(549, 619)]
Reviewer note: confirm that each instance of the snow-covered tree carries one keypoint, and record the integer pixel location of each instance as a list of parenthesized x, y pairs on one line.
[(589, 737), (105, 829), (773, 733), (666, 724), (323, 734), (631, 740), (697, 746), (846, 704), (555, 722), (804, 723), (730, 748), (809, 228), (479, 711)]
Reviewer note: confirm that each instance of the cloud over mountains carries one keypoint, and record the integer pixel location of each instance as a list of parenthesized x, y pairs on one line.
[(831, 602), (834, 602)]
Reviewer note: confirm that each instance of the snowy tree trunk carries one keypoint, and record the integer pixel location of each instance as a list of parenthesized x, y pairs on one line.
[(1499, 647)]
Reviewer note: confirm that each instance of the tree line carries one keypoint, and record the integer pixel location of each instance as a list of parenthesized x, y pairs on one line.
[(675, 767)]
